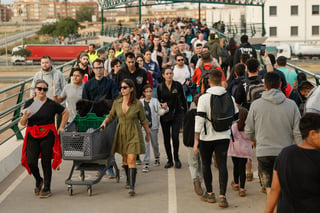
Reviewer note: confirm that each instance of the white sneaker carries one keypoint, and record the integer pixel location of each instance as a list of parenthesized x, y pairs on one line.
[(145, 168), (156, 162)]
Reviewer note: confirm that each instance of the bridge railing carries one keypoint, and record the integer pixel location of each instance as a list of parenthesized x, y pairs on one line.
[(12, 100), (116, 30), (309, 74)]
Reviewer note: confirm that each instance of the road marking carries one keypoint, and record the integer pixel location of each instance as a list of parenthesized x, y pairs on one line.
[(12, 187), (172, 193)]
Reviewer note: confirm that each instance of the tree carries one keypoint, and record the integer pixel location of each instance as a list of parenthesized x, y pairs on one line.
[(63, 27), (66, 26), (84, 13)]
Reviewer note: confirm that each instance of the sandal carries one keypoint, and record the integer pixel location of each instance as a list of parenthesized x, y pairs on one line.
[(223, 203), (242, 192), (249, 176), (234, 186)]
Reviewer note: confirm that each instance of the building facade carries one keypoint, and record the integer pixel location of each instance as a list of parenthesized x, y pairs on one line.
[(5, 13), (41, 10), (288, 21)]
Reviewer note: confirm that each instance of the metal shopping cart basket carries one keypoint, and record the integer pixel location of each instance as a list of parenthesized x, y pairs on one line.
[(90, 151)]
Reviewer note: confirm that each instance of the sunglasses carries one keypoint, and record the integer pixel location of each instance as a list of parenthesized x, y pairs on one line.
[(124, 87), (42, 88), (180, 59)]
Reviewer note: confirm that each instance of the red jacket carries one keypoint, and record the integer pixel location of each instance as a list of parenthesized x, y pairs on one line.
[(36, 133)]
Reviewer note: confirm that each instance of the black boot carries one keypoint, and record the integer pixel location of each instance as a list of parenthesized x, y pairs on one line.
[(127, 175), (132, 180)]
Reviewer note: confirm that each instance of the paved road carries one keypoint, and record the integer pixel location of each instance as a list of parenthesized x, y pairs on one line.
[(160, 191), (16, 37)]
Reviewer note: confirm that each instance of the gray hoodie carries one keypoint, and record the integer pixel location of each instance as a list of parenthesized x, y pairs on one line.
[(313, 101), (53, 77), (273, 120)]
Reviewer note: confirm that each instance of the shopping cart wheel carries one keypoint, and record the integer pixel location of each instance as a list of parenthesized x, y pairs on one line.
[(70, 190), (89, 189)]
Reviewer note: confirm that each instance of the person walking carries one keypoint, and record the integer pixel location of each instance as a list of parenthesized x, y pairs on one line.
[(41, 138), (208, 140), (170, 93), (128, 140), (240, 149), (152, 109)]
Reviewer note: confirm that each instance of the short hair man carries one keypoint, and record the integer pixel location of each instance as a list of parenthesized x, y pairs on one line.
[(169, 60), (100, 86), (291, 76), (272, 123), (181, 71), (245, 47), (206, 65), (210, 140), (72, 93), (296, 172), (253, 67), (53, 77), (132, 71), (93, 55)]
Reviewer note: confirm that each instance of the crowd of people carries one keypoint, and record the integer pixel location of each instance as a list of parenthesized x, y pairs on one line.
[(175, 67)]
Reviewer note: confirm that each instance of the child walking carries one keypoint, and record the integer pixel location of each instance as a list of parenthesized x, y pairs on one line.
[(240, 150), (152, 109)]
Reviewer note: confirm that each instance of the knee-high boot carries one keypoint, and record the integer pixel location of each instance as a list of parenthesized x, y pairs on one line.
[(127, 176), (132, 180)]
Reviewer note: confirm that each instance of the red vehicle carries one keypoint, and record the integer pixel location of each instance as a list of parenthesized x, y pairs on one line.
[(56, 52)]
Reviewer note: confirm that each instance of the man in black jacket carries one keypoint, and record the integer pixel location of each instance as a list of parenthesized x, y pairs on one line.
[(245, 47), (133, 72)]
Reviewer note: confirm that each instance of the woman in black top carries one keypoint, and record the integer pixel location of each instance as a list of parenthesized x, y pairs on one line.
[(170, 94), (42, 138)]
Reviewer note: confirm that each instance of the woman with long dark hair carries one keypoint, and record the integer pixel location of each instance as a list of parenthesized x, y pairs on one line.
[(128, 140)]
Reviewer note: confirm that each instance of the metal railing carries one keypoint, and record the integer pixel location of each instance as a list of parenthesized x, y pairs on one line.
[(116, 30), (308, 73), (13, 98)]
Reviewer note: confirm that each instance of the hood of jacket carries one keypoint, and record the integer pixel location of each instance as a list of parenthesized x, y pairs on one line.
[(274, 96), (216, 90)]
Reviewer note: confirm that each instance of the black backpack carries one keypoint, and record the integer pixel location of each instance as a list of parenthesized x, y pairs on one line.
[(204, 79), (222, 112)]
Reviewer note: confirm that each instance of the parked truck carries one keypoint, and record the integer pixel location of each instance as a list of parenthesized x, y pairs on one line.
[(298, 50), (30, 54)]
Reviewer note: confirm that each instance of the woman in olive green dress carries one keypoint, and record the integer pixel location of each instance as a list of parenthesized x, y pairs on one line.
[(128, 140)]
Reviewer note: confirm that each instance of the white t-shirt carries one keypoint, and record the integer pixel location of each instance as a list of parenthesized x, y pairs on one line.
[(73, 94), (181, 74)]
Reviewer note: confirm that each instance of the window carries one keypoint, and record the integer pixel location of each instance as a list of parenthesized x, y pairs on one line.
[(294, 31), (315, 9), (273, 31), (272, 10), (315, 30), (294, 10)]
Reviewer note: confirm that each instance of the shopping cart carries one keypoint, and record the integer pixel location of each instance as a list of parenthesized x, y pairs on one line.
[(90, 151)]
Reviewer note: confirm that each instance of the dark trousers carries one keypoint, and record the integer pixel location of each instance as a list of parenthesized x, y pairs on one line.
[(239, 171), (171, 128), (43, 146), (220, 147)]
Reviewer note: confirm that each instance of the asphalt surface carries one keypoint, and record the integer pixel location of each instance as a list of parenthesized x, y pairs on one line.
[(159, 191), (16, 37)]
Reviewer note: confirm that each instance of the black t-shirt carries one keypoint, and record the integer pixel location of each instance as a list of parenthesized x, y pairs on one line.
[(46, 113), (299, 174), (194, 59)]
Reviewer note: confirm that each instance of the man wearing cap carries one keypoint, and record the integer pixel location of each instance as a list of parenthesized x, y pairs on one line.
[(83, 64), (214, 46)]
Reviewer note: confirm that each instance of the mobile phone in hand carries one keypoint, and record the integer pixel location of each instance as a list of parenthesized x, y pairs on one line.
[(262, 50)]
